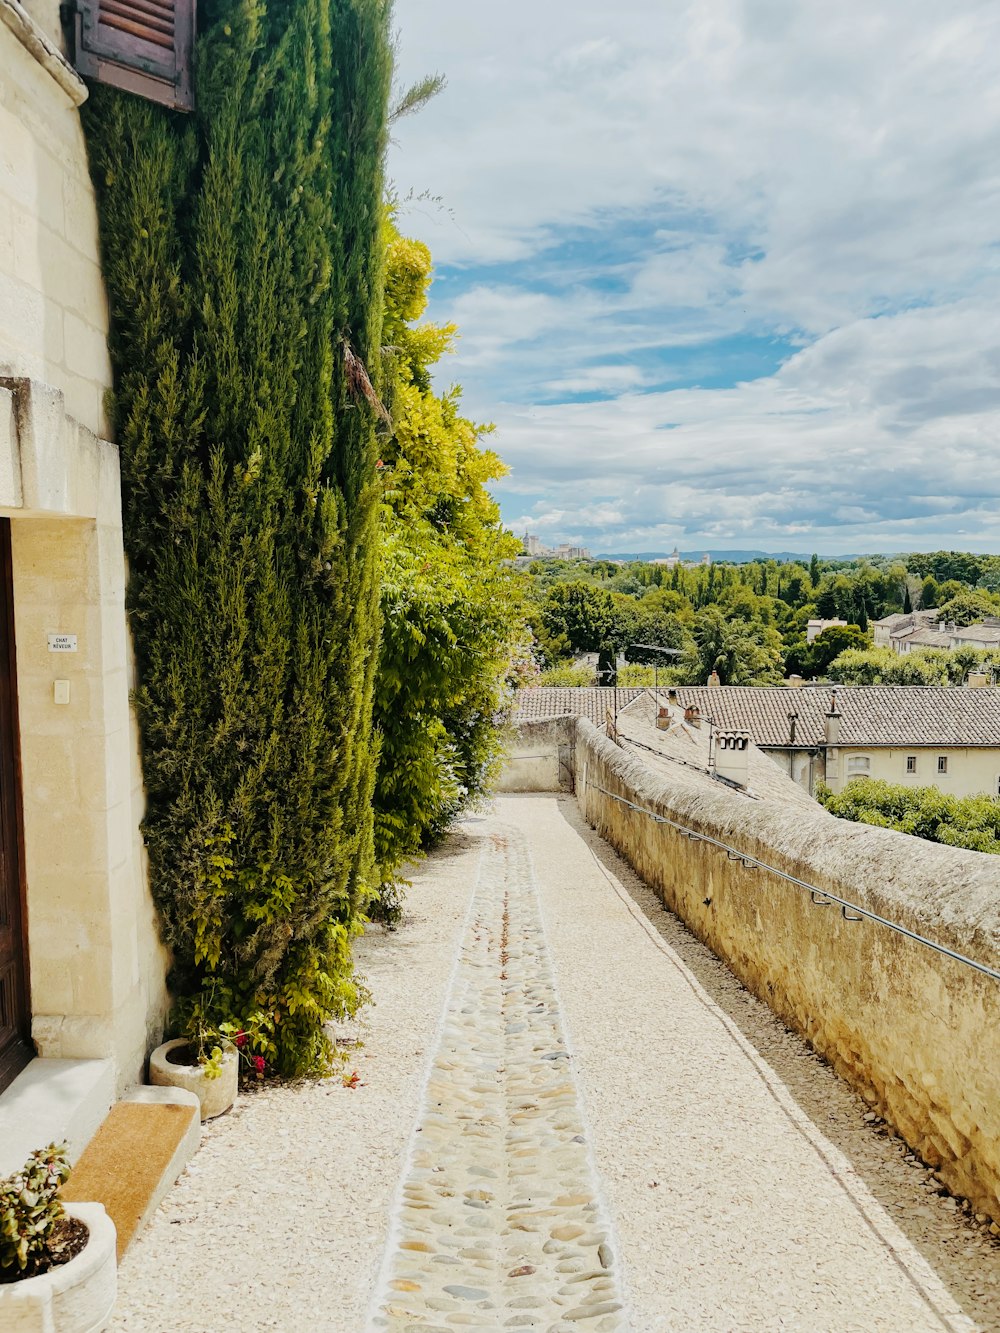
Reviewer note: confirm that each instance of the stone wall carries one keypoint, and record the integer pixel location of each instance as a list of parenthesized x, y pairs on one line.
[(540, 757), (53, 307), (96, 963), (917, 1033)]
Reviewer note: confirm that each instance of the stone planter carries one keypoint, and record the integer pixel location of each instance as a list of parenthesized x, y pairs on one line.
[(77, 1297), (215, 1094)]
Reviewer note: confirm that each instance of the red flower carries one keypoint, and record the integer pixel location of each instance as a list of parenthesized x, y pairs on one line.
[(258, 1063), (241, 1039)]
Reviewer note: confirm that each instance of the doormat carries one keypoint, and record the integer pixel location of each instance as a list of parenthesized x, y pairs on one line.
[(125, 1162)]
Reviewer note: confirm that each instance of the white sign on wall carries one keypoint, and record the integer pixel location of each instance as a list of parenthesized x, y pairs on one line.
[(62, 643)]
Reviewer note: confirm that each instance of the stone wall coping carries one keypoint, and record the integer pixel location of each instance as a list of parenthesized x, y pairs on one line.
[(39, 45), (946, 893)]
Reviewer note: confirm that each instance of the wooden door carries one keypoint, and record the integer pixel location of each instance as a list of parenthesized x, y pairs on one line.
[(15, 1046)]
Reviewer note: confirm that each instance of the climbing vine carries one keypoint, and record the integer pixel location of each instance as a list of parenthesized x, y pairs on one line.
[(244, 256)]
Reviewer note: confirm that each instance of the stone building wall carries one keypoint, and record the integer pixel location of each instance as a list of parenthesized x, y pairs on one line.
[(96, 964), (917, 1033)]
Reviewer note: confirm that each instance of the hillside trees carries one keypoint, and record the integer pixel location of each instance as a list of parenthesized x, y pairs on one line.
[(243, 258), (451, 613)]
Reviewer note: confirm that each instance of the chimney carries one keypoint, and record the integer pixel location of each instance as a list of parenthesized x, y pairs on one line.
[(977, 680), (792, 719), (732, 750), (794, 682), (833, 718), (663, 719), (692, 716), (714, 680)]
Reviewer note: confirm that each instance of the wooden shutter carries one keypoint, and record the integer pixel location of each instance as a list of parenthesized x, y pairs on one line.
[(143, 46)]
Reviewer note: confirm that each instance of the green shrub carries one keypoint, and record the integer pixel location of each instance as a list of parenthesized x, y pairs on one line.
[(972, 822), (568, 676), (243, 257)]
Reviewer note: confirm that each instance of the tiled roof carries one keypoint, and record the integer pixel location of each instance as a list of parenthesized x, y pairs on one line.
[(533, 705), (925, 638), (872, 715), (978, 634), (903, 619)]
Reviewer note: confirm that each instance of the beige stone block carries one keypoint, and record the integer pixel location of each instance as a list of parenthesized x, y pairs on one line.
[(7, 211), (17, 152), (86, 350), (10, 462), (46, 15), (22, 321), (53, 341), (93, 984), (49, 765), (73, 1037), (51, 985), (80, 215), (84, 400)]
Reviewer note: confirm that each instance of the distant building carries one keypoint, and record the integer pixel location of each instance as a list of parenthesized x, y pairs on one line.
[(915, 735), (923, 629), (814, 628), (534, 546)]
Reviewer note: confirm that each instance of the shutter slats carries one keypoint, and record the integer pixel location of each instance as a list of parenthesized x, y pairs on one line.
[(143, 46)]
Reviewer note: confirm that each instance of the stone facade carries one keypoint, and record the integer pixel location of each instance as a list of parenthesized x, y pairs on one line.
[(96, 965)]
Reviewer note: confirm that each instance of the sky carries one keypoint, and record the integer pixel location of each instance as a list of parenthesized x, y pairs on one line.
[(726, 273)]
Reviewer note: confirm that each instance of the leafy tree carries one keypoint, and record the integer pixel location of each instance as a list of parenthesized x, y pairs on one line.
[(968, 607), (742, 652), (830, 643), (244, 267), (451, 610), (585, 616), (930, 593)]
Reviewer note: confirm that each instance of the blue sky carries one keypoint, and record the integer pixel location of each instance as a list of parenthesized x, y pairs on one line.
[(726, 272)]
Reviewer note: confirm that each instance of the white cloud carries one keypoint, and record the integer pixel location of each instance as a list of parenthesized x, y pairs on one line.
[(830, 172)]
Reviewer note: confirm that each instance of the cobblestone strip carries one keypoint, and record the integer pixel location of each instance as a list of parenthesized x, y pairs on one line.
[(500, 1225)]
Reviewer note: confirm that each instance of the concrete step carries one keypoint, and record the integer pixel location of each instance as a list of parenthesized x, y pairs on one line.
[(53, 1100)]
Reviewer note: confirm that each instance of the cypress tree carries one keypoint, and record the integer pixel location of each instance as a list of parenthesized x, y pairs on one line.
[(242, 254)]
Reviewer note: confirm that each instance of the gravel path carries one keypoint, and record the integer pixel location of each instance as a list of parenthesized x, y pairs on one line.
[(725, 1179)]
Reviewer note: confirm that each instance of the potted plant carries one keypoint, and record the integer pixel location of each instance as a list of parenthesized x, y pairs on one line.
[(206, 1061), (58, 1270)]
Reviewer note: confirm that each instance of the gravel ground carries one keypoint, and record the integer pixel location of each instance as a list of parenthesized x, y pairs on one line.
[(748, 1189), (281, 1219), (745, 1186)]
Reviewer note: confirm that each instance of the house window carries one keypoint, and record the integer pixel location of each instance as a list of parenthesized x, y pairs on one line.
[(858, 764), (911, 763), (942, 763)]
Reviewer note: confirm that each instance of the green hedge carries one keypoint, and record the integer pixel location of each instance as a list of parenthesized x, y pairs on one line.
[(925, 812), (243, 258)]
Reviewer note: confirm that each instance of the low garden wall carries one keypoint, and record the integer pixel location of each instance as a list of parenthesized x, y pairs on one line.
[(917, 1033)]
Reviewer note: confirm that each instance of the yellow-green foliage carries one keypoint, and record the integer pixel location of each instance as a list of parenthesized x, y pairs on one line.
[(924, 812), (450, 610)]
